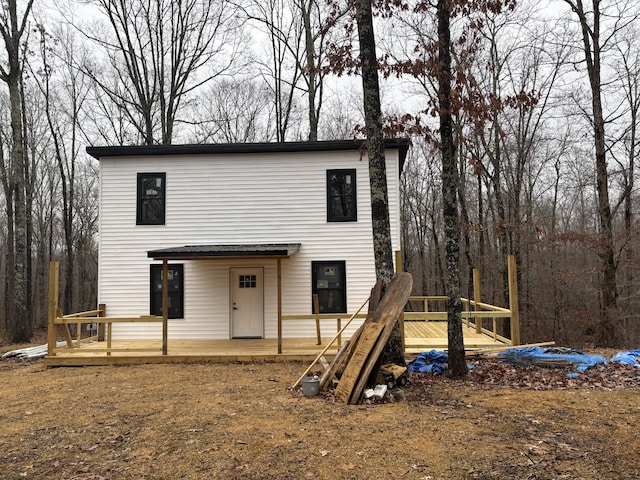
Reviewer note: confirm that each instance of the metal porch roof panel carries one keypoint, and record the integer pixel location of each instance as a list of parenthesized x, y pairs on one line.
[(192, 252)]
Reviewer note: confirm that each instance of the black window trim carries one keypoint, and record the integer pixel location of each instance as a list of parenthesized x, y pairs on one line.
[(314, 289), (331, 217), (140, 220), (152, 270)]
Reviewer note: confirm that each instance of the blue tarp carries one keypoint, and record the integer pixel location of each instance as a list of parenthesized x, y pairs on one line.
[(433, 362), (528, 355), (437, 362), (631, 357)]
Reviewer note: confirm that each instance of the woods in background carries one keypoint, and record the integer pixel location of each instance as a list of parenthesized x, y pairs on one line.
[(543, 119)]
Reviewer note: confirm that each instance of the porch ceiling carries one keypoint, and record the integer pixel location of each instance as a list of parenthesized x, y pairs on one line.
[(195, 252)]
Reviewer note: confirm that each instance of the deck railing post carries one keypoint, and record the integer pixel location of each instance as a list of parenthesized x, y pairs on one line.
[(52, 330), (513, 300), (316, 312), (477, 298), (165, 304), (399, 258), (279, 306), (103, 313)]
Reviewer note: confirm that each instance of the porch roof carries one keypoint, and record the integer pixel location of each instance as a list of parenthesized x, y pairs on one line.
[(194, 252)]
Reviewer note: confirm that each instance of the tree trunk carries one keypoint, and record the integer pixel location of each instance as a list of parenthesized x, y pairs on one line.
[(610, 334), (450, 181), (311, 73), (11, 74), (382, 248)]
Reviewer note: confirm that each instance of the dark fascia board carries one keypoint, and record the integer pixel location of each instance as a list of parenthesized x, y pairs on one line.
[(193, 252), (402, 144)]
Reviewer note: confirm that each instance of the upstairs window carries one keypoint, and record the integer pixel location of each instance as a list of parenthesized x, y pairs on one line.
[(341, 196), (330, 284), (151, 199), (175, 281)]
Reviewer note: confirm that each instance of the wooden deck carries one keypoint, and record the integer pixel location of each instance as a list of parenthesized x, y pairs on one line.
[(419, 336)]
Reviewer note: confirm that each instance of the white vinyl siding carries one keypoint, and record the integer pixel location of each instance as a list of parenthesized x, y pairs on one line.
[(235, 199)]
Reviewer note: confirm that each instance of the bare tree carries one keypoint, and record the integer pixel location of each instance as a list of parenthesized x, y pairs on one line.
[(159, 52), (12, 28), (234, 111), (594, 43), (64, 90), (282, 70)]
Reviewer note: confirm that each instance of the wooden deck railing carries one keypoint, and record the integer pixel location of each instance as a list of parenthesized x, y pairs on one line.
[(97, 317), (474, 314)]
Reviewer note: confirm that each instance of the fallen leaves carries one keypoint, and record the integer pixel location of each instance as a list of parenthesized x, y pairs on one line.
[(490, 373)]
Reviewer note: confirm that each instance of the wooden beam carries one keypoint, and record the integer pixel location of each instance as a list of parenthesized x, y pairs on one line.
[(165, 305), (399, 261), (316, 311), (103, 312), (329, 344), (279, 271), (476, 297), (400, 268), (109, 337), (321, 316), (513, 300), (373, 338), (52, 333), (140, 319)]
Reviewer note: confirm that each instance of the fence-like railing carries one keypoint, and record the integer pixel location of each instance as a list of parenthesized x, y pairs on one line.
[(487, 319), (103, 325)]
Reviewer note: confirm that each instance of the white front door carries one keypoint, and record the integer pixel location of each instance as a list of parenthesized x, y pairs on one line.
[(247, 303)]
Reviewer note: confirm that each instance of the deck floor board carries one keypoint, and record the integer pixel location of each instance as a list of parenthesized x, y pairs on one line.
[(419, 336)]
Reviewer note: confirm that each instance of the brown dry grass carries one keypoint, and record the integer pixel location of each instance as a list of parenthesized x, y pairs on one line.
[(233, 421)]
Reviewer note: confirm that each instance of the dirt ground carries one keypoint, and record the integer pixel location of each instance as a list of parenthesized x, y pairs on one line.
[(242, 421)]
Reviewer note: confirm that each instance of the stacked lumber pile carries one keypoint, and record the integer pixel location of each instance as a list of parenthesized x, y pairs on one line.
[(30, 353)]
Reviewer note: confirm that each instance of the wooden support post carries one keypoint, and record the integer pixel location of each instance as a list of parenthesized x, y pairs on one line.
[(165, 304), (78, 334), (513, 300), (103, 313), (109, 337), (316, 312), (339, 327), (52, 331), (279, 306), (476, 297), (399, 261), (400, 268)]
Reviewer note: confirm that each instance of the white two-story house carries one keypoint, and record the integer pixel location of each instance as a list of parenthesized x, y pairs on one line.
[(250, 233)]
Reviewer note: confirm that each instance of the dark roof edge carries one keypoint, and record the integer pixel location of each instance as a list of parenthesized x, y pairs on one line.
[(282, 250), (402, 144)]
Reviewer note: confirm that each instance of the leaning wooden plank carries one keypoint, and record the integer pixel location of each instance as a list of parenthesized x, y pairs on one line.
[(324, 350), (374, 301), (385, 315), (361, 352), (374, 298), (333, 367), (344, 354)]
